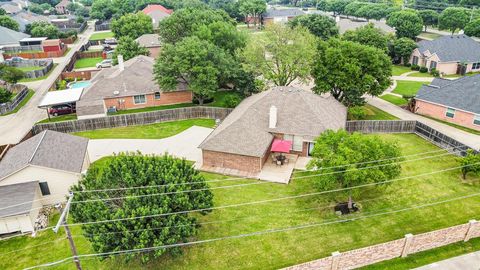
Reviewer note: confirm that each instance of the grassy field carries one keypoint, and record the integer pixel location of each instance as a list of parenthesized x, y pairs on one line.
[(59, 118), (394, 99), (153, 131), (374, 113), (39, 78), (220, 96), (398, 70), (102, 35), (22, 103), (277, 250), (420, 74), (87, 62), (151, 109), (429, 35), (408, 88)]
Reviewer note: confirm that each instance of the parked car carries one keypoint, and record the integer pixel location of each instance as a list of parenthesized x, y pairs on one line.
[(105, 63), (111, 41), (17, 59), (61, 110)]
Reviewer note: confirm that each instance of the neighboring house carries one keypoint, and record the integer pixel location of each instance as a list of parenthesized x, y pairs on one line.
[(11, 8), (348, 24), (55, 160), (9, 37), (61, 8), (280, 15), (19, 207), (23, 18), (157, 13), (129, 85), (242, 142), (151, 42), (455, 54), (456, 101)]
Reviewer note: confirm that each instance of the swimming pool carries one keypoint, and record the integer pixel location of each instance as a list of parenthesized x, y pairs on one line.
[(81, 84)]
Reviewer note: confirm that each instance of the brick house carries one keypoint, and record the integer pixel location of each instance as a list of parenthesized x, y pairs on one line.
[(456, 54), (128, 85), (276, 16), (243, 140), (62, 7), (456, 101), (151, 42), (157, 13)]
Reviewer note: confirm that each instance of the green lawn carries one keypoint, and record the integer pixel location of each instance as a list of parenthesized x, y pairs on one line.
[(151, 109), (60, 118), (25, 69), (408, 88), (374, 113), (398, 70), (277, 250), (152, 131), (87, 62), (39, 78), (456, 76), (23, 102), (220, 96), (420, 74), (394, 99), (429, 35), (102, 35)]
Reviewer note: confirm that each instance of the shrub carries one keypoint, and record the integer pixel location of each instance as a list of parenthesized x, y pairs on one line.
[(435, 73), (415, 67), (407, 64), (231, 101), (5, 95), (357, 113), (423, 69)]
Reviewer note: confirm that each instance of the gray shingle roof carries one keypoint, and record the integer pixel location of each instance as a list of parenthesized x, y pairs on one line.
[(10, 37), (20, 195), (149, 40), (348, 24), (462, 94), (245, 131), (49, 149), (291, 12), (456, 48)]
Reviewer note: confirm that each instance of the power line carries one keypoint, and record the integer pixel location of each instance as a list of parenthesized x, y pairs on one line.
[(257, 233)]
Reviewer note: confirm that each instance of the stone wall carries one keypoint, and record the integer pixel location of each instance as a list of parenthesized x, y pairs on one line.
[(397, 248)]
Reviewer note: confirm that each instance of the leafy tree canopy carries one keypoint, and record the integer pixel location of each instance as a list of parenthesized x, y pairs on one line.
[(368, 35), (167, 174), (132, 25), (10, 74), (470, 163), (223, 34), (403, 47), (8, 22), (321, 26), (103, 9), (429, 17), (5, 95), (281, 54), (128, 48), (44, 29), (453, 18), (473, 28), (349, 70), (252, 8), (407, 23), (2, 12), (344, 156)]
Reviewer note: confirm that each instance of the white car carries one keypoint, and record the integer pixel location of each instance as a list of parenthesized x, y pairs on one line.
[(105, 63)]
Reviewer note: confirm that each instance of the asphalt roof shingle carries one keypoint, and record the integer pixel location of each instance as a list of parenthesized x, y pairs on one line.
[(456, 48), (290, 12), (462, 94), (149, 40), (10, 37), (49, 149), (21, 195), (246, 132)]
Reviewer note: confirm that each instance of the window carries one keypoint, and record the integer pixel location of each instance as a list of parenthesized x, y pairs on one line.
[(157, 95), (415, 60), (433, 65), (450, 113), (44, 188), (140, 99), (476, 119), (297, 143), (476, 65), (310, 148)]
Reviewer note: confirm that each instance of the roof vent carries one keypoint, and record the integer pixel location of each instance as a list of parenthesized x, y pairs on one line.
[(116, 93)]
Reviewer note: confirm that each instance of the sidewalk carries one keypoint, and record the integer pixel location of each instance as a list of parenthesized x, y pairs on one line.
[(469, 261)]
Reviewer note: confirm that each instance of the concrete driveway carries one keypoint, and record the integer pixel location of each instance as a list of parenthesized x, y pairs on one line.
[(183, 145), (469, 261)]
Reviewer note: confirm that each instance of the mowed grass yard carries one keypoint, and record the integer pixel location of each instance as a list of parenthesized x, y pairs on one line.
[(408, 88), (87, 62), (152, 131), (277, 250), (101, 35)]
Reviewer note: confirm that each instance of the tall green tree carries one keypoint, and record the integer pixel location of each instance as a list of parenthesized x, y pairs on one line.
[(2, 12), (8, 22), (472, 29), (321, 26), (132, 25), (155, 175), (453, 18), (200, 64), (281, 54), (11, 75), (103, 9), (403, 48), (348, 71), (346, 160), (5, 95), (407, 23), (368, 35), (470, 163), (337, 6), (128, 48), (223, 34), (429, 17), (253, 9), (44, 29)]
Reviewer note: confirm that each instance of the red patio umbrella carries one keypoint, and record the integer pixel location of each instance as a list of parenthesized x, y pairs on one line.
[(281, 146)]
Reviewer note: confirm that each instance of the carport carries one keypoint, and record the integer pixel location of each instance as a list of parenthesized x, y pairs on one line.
[(60, 97)]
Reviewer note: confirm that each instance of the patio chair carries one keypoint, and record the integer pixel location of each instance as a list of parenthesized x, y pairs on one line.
[(274, 159), (285, 161)]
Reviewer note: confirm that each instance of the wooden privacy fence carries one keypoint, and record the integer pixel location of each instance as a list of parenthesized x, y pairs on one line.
[(381, 126), (134, 119)]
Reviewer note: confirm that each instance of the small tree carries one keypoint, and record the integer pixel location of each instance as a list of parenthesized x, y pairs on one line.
[(337, 6), (281, 54), (407, 23), (346, 160), (321, 26), (368, 35), (43, 29), (132, 25), (470, 163), (8, 22), (403, 48), (349, 71), (253, 9), (128, 48), (5, 95), (429, 17), (473, 28), (154, 175), (11, 74), (453, 18)]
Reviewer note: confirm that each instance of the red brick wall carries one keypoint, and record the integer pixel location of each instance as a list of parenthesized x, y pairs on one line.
[(232, 161), (166, 98), (437, 111)]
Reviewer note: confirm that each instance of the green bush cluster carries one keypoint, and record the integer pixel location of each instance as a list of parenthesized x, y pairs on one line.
[(415, 67), (423, 69)]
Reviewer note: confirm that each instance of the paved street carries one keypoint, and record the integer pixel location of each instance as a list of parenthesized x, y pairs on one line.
[(469, 261), (14, 126)]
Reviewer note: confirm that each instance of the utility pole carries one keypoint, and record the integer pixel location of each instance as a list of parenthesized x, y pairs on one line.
[(63, 221)]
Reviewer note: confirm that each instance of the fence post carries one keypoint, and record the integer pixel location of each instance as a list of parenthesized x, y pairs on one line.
[(335, 260), (408, 243), (471, 225)]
